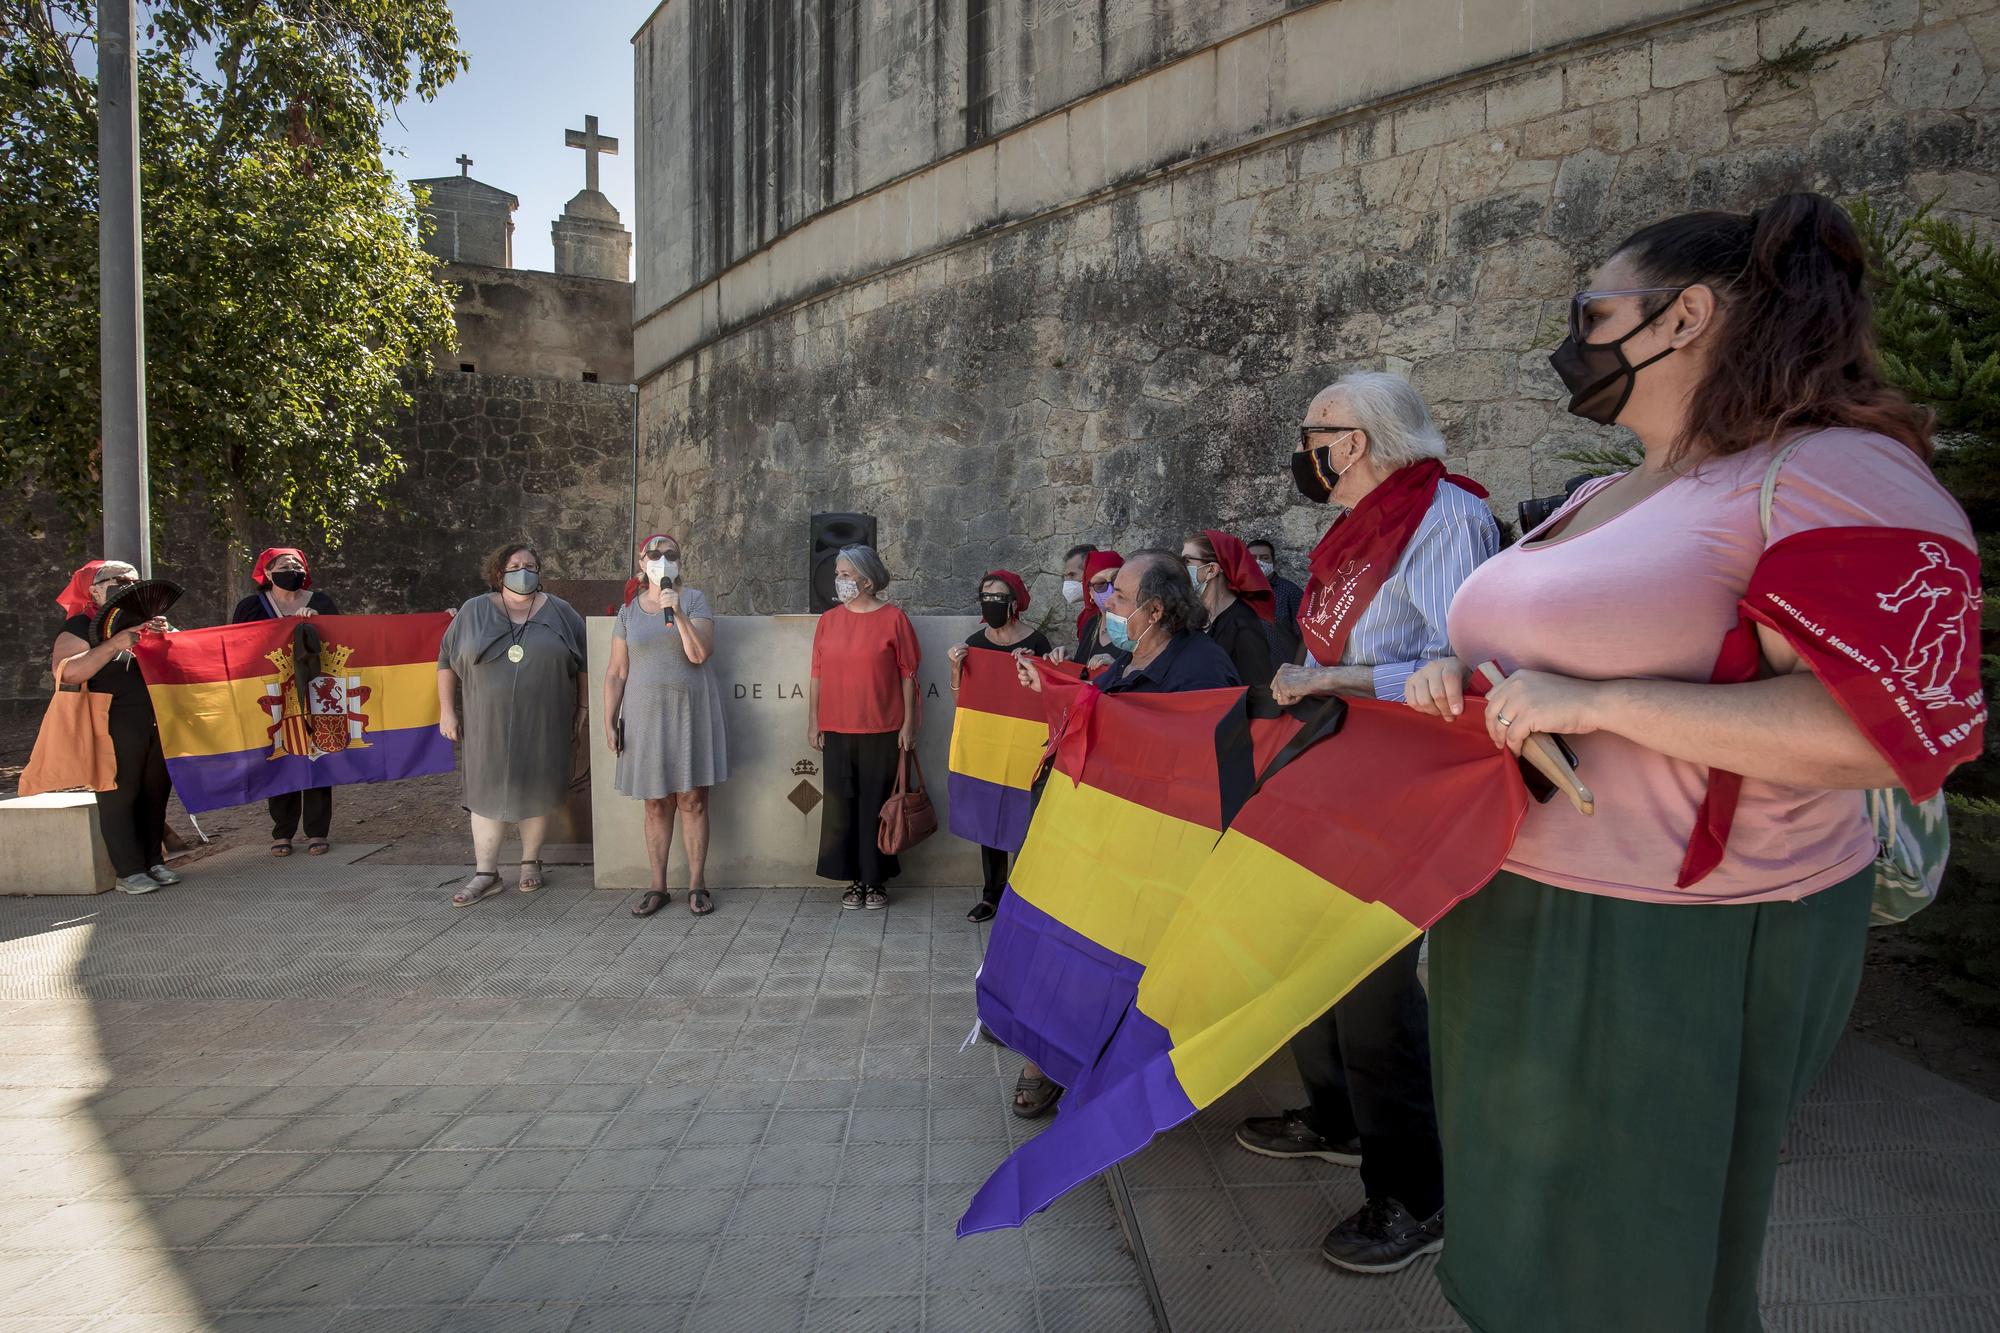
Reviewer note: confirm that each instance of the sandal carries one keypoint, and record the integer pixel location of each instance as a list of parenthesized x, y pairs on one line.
[(654, 900), (1041, 1092), (851, 896), (281, 848), (530, 882), (317, 847), (982, 912), (474, 891), (700, 902), (876, 897)]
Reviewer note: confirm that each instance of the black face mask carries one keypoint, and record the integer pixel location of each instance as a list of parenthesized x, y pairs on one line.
[(1313, 473), (995, 613), (1598, 375), (291, 580)]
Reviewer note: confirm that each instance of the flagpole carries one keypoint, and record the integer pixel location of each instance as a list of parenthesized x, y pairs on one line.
[(121, 308)]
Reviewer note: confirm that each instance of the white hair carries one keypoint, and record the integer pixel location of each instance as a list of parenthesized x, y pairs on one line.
[(1399, 425)]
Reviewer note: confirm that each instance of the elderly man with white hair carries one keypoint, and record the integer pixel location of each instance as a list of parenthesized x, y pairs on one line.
[(1406, 535)]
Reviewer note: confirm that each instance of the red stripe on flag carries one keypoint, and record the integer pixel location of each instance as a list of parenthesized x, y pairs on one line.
[(988, 683), (236, 652)]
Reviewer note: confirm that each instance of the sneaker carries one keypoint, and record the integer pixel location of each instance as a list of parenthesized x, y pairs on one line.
[(1289, 1136), (877, 897), (850, 897), (162, 875), (1382, 1237), (139, 883)]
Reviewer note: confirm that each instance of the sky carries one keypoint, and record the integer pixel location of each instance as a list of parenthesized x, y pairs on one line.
[(537, 68)]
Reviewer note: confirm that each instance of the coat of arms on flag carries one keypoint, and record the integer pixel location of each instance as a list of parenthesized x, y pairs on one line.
[(321, 716)]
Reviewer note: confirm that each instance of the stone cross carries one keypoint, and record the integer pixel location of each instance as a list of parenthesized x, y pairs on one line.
[(592, 143), (464, 164)]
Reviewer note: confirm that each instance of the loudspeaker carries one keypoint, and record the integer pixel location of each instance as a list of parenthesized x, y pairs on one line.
[(830, 532)]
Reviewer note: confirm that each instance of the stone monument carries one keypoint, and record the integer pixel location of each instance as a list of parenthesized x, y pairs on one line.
[(471, 222), (590, 241)]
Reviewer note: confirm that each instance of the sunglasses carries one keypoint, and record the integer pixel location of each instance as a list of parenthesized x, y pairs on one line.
[(1307, 432), (1580, 318)]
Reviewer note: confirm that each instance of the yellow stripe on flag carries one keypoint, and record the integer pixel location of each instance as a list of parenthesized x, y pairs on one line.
[(226, 716), (1110, 869), (996, 748), (1263, 948)]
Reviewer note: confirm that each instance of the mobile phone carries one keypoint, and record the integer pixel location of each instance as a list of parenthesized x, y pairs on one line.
[(1539, 786), (619, 727)]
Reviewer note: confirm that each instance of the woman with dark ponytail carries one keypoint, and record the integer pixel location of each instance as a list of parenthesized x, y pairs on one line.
[(1775, 611)]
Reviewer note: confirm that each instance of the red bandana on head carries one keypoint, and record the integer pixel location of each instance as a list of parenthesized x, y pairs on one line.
[(1240, 572), (260, 572), (1094, 563), (1888, 619), (1014, 585), (75, 598), (1355, 557)]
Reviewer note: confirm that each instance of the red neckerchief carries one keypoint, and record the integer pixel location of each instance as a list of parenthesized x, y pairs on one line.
[(1888, 620), (1355, 557)]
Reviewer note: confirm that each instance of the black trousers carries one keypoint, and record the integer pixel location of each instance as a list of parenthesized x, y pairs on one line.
[(133, 815), (1366, 1063), (993, 861), (860, 774), (316, 803)]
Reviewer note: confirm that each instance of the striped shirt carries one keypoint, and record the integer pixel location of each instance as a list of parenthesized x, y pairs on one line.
[(1404, 626)]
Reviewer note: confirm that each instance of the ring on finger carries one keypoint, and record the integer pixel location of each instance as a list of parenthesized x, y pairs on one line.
[(1505, 721)]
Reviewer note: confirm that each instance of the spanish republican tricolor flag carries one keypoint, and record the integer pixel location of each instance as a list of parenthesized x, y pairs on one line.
[(998, 734), (1204, 875), (237, 725)]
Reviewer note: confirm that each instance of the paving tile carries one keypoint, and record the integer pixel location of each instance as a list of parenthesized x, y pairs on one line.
[(321, 1275), (485, 1217), (584, 1215), (670, 1213), (430, 1274), (286, 1221)]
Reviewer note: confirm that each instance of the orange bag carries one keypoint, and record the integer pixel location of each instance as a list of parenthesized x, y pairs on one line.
[(73, 748)]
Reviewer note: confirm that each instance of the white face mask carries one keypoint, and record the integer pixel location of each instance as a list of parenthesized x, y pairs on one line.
[(1268, 568), (1073, 591), (663, 571), (846, 589)]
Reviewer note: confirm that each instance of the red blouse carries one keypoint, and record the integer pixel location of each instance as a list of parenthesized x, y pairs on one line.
[(860, 659)]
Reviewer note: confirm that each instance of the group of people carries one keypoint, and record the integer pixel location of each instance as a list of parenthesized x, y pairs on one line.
[(1601, 1070)]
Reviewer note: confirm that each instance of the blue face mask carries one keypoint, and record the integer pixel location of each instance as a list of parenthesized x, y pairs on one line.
[(1117, 633)]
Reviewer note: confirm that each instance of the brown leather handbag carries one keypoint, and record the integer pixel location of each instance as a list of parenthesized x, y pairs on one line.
[(907, 816)]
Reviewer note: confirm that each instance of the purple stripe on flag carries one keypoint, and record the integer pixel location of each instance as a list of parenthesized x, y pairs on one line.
[(1069, 1005), (212, 781), (988, 813)]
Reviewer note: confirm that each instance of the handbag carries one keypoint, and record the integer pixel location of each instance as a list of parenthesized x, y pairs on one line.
[(907, 816), (1912, 837), (73, 748)]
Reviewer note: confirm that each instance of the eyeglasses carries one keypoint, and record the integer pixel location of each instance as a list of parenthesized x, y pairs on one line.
[(663, 555), (991, 600), (1579, 321), (1307, 432)]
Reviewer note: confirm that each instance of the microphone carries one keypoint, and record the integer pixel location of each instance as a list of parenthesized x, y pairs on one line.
[(666, 612)]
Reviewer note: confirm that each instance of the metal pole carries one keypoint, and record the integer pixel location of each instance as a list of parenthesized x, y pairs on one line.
[(633, 544), (121, 306)]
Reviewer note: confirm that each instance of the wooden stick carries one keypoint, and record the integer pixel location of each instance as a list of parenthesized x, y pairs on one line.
[(1544, 754)]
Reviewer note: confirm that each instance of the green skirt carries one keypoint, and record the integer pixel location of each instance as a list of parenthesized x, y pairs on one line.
[(1613, 1082)]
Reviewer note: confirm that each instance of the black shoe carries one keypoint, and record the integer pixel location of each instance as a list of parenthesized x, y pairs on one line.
[(1289, 1136), (982, 912), (1382, 1237)]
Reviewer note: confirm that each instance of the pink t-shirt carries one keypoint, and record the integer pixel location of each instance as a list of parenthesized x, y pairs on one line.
[(1650, 595)]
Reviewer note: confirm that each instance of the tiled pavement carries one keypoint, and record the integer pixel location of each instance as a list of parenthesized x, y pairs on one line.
[(311, 1095)]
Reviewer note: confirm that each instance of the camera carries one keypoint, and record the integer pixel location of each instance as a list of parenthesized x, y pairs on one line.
[(1539, 510)]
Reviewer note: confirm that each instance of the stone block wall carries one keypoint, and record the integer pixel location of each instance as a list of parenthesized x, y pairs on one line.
[(491, 458), (514, 321), (1129, 366)]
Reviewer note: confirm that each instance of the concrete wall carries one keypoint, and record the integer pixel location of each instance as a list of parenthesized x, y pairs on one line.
[(765, 820), (515, 321), (1103, 325), (468, 221)]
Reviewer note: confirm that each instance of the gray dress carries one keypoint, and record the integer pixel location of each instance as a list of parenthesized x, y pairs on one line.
[(515, 718), (672, 708)]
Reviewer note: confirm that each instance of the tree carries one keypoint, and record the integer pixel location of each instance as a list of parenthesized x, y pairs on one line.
[(288, 301), (1937, 323)]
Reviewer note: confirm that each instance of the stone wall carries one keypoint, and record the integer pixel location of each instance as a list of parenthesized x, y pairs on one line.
[(468, 221), (1128, 366), (491, 458), (514, 321)]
